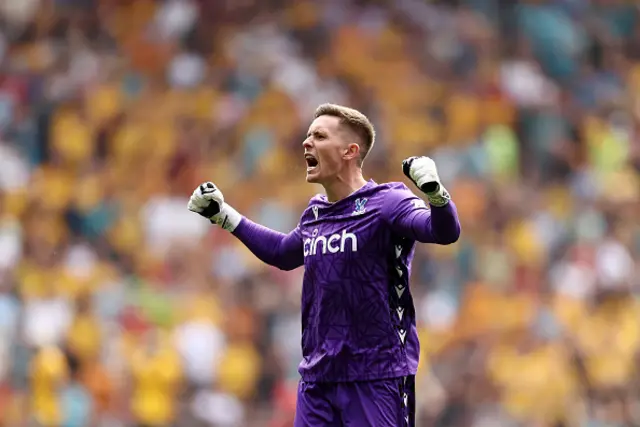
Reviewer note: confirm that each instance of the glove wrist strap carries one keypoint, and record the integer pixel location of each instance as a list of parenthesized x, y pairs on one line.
[(228, 218), (439, 198)]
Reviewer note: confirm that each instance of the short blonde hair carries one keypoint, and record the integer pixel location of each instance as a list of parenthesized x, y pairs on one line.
[(355, 121)]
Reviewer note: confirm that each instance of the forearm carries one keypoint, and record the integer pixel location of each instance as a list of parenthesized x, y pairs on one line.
[(271, 247), (438, 225), (277, 249), (442, 226)]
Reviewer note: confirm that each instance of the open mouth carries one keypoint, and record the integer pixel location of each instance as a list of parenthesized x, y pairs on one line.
[(312, 162)]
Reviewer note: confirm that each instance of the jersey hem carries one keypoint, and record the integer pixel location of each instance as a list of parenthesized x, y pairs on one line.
[(359, 378)]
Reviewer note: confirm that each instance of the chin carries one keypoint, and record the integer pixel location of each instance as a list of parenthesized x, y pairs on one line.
[(313, 179)]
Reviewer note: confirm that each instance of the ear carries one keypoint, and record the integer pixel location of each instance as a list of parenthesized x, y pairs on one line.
[(351, 152)]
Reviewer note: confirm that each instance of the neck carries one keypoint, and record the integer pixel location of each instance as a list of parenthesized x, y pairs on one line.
[(344, 186)]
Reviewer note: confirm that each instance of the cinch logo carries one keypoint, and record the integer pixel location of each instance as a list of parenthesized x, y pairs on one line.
[(332, 244)]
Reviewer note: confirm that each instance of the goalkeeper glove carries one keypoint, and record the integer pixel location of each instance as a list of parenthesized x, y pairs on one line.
[(424, 174), (208, 201)]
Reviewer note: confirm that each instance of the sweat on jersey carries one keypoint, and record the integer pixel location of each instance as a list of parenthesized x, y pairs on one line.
[(358, 317)]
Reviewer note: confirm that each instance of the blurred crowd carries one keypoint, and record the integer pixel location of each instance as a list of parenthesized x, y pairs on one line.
[(120, 308)]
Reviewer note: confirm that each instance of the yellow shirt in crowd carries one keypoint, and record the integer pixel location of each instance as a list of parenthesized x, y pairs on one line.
[(48, 371), (156, 379), (538, 384)]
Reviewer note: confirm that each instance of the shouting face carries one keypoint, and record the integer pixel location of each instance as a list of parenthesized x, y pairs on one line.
[(328, 149)]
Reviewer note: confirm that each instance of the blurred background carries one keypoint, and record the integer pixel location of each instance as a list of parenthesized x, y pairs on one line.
[(120, 308)]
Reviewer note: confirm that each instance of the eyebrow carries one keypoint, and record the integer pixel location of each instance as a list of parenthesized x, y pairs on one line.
[(311, 132)]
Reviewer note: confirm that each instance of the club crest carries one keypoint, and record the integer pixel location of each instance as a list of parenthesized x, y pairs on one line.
[(315, 211), (360, 206)]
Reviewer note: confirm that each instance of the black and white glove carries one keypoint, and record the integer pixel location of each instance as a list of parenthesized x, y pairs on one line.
[(208, 201), (424, 174)]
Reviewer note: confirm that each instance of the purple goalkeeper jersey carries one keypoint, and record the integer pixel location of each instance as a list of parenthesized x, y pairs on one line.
[(358, 316)]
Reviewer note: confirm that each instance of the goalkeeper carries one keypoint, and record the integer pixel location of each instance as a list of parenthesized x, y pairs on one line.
[(359, 340)]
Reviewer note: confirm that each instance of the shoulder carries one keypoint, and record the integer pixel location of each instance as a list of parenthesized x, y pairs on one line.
[(399, 198), (384, 190), (396, 191), (394, 185), (318, 199), (311, 212)]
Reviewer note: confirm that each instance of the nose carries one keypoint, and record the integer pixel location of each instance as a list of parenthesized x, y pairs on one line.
[(306, 144)]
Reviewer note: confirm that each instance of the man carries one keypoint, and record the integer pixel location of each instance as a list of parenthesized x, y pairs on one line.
[(359, 341)]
